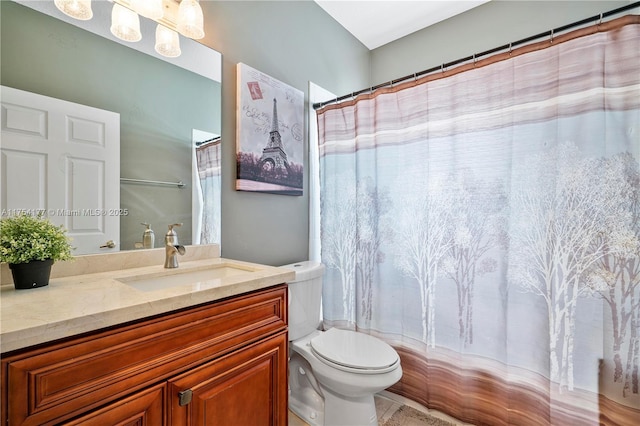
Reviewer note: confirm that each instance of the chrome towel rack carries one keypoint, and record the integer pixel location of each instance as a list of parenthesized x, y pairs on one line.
[(153, 182)]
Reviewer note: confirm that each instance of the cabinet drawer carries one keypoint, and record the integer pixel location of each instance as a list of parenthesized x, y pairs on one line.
[(63, 380)]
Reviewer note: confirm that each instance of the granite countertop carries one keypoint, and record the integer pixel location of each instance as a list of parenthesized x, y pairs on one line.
[(86, 302)]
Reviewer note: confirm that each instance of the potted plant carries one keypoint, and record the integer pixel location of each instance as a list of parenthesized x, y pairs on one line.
[(30, 245)]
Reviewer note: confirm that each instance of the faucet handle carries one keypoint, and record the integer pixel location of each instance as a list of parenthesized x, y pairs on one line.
[(172, 236)]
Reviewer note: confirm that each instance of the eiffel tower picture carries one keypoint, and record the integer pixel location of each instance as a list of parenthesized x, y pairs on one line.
[(274, 159), (270, 134)]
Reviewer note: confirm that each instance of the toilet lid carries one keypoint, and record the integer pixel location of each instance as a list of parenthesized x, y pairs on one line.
[(354, 350)]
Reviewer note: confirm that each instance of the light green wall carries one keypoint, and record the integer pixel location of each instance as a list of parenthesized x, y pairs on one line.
[(297, 42), (294, 42), (159, 104), (485, 27)]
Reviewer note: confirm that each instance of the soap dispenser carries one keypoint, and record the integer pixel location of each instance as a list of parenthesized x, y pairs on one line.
[(171, 236), (148, 237)]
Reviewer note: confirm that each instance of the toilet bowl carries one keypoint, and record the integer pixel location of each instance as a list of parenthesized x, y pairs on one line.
[(333, 374), (346, 384)]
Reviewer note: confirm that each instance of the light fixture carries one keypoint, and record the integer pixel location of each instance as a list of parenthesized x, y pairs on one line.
[(125, 23), (173, 17), (167, 42), (79, 9), (151, 9), (190, 19)]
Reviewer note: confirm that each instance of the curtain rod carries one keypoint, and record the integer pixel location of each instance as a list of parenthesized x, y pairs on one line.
[(549, 33), (214, 139)]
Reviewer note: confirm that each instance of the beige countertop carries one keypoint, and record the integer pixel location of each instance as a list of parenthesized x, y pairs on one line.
[(76, 304)]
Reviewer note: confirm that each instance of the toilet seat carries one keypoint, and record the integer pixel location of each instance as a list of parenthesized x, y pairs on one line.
[(354, 352)]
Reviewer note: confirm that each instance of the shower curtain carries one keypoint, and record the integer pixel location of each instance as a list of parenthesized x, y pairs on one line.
[(485, 222), (208, 166)]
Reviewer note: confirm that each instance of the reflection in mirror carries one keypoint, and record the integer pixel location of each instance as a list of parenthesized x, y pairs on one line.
[(206, 185), (160, 105)]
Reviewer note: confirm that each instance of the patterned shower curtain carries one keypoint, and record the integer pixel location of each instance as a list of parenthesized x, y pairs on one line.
[(208, 163), (485, 222)]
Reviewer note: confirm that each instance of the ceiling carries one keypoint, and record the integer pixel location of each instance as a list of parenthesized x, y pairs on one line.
[(378, 22)]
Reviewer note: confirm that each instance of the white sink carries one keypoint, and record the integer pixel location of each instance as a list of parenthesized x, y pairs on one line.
[(210, 275)]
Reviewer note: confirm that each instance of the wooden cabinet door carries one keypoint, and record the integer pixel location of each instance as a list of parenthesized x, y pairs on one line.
[(144, 408), (246, 387)]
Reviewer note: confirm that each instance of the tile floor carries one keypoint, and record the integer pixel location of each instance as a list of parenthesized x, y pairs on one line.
[(295, 420)]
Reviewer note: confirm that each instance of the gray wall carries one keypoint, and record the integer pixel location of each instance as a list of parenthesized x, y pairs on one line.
[(294, 42), (297, 42), (485, 27)]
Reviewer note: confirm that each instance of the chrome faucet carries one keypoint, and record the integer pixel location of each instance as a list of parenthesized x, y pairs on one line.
[(172, 248)]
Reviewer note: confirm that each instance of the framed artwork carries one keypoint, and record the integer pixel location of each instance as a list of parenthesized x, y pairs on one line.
[(269, 134)]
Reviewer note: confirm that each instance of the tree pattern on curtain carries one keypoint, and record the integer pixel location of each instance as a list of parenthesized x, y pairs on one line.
[(492, 217)]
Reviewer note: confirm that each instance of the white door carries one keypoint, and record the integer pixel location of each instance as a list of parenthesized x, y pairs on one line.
[(62, 159)]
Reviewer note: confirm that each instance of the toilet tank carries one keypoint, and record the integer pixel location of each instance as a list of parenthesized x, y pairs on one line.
[(305, 298)]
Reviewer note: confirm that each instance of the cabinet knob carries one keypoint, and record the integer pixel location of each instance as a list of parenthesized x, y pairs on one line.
[(184, 397)]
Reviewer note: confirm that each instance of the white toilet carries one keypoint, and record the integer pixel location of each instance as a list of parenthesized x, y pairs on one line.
[(333, 374)]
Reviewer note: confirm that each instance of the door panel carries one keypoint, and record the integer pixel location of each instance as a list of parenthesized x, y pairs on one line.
[(62, 159), (144, 408), (247, 387), (24, 167)]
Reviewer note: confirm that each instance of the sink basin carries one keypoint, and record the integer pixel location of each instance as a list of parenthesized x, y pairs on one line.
[(193, 277)]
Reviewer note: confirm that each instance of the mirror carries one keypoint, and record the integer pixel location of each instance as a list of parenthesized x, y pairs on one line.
[(166, 107)]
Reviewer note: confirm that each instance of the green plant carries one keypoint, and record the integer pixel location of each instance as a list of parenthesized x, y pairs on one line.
[(24, 238)]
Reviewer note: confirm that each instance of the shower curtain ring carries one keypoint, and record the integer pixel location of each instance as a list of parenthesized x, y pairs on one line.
[(551, 39), (510, 46), (600, 21)]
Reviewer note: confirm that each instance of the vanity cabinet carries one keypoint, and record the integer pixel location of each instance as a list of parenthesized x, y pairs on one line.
[(221, 363)]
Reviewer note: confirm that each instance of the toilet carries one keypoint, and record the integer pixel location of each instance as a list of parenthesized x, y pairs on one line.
[(333, 374)]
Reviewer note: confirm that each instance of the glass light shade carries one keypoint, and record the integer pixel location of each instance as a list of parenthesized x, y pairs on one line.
[(190, 20), (151, 9), (79, 9), (125, 23), (167, 42)]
